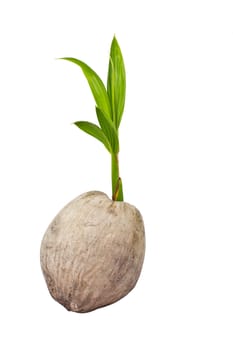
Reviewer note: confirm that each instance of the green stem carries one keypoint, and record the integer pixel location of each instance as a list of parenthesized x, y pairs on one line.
[(117, 191)]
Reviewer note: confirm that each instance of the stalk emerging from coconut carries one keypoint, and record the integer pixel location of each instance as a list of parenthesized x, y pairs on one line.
[(92, 252)]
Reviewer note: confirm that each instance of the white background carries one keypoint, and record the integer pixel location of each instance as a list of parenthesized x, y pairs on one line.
[(176, 164)]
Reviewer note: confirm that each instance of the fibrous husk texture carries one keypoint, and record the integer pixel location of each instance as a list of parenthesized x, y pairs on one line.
[(92, 252)]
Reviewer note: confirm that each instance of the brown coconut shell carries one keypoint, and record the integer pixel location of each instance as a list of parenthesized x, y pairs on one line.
[(92, 253)]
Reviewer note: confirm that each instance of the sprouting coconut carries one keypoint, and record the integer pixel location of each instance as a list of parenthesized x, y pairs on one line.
[(92, 253)]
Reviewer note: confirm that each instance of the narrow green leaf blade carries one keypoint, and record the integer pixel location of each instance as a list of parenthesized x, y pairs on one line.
[(96, 85), (109, 130), (116, 85), (94, 131)]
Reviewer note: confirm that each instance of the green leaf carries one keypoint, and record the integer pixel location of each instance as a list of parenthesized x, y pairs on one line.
[(109, 130), (96, 85), (94, 131), (116, 85)]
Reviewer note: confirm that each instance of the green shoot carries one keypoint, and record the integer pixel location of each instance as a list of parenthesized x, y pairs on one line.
[(110, 103)]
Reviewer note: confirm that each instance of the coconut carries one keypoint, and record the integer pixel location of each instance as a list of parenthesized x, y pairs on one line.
[(92, 253)]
